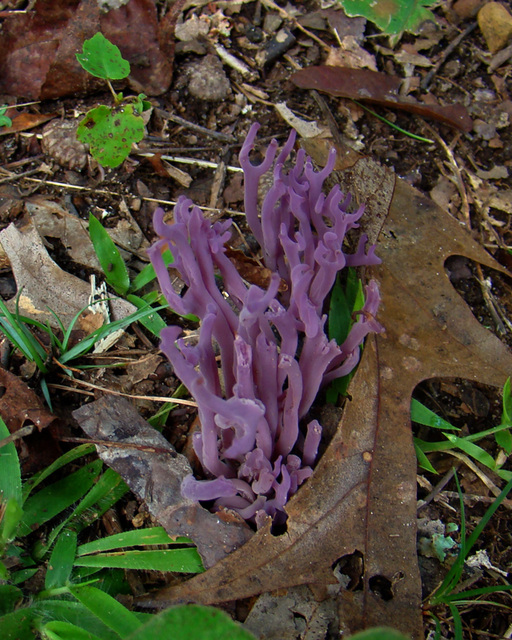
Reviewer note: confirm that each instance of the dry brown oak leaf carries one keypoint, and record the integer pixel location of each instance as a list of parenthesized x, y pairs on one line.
[(362, 495)]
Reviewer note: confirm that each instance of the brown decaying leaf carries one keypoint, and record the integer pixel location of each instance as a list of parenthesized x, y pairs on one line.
[(43, 284), (362, 495), (25, 121), (379, 88), (19, 404), (156, 477), (38, 48), (251, 270)]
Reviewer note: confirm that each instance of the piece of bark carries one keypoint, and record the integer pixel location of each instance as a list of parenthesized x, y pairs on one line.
[(153, 470)]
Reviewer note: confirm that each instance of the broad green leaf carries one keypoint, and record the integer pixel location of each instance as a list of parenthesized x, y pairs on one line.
[(9, 597), (107, 609), (10, 474), (392, 16), (18, 625), (60, 495), (103, 59), (191, 622), (114, 268), (178, 560), (345, 300), (61, 560), (74, 613), (110, 133), (138, 537), (60, 630), (422, 415)]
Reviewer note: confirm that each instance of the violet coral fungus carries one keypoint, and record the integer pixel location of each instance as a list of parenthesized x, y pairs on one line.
[(274, 352)]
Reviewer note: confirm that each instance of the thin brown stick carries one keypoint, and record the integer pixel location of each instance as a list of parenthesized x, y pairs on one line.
[(89, 385), (17, 435)]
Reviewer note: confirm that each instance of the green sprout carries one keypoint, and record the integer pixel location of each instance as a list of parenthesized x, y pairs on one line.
[(5, 121), (110, 131)]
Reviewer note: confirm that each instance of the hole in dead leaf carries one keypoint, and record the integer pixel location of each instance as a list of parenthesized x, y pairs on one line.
[(485, 291), (300, 622), (2, 391), (279, 528), (349, 570), (381, 587)]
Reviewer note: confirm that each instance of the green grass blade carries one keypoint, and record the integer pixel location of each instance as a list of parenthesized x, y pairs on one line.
[(114, 268), (46, 394), (110, 486), (70, 456), (472, 450), (23, 340), (111, 612), (191, 622), (52, 500), (61, 560), (10, 472), (422, 415), (507, 403), (148, 274), (486, 517), (88, 343), (457, 623), (178, 560), (475, 593), (423, 461), (153, 322), (138, 537)]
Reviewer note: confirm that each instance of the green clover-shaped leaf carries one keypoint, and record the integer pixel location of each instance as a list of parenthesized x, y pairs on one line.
[(103, 59), (110, 133), (391, 16)]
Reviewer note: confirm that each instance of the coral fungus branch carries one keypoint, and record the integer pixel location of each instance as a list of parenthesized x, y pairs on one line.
[(274, 353)]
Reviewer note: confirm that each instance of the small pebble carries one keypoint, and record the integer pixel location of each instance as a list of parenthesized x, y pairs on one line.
[(207, 79)]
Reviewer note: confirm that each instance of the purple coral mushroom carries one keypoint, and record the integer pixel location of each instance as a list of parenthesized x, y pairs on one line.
[(274, 352)]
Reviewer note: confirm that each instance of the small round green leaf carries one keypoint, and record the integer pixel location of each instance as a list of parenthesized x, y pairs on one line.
[(103, 59), (110, 133)]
